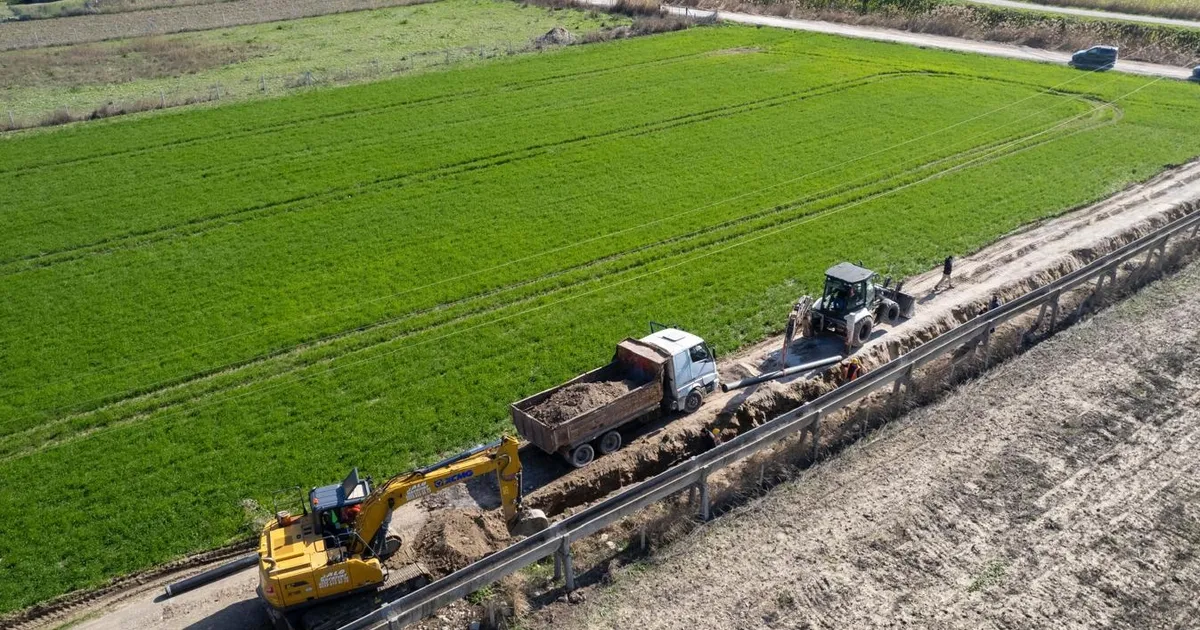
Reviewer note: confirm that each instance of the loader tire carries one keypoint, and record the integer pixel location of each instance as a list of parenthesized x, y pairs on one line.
[(892, 314), (863, 330)]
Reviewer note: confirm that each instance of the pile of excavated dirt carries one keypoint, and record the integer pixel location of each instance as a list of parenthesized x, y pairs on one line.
[(452, 539), (578, 398)]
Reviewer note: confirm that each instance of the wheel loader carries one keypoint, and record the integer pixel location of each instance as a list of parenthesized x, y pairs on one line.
[(315, 567), (853, 302)]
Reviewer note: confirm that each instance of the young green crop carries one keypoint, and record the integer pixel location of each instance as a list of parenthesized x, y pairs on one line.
[(203, 307)]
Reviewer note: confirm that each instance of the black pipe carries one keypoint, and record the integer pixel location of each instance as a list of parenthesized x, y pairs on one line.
[(212, 575), (804, 367)]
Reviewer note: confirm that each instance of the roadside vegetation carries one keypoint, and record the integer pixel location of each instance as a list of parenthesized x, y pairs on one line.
[(44, 86), (1182, 9), (1139, 42), (204, 306)]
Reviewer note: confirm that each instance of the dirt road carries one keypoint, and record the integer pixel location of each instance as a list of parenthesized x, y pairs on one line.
[(1009, 267), (1089, 13), (1061, 490), (928, 41)]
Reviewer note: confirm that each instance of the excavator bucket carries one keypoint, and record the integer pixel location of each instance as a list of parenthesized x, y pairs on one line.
[(529, 522)]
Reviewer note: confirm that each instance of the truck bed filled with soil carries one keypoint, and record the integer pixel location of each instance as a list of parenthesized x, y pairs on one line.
[(578, 398)]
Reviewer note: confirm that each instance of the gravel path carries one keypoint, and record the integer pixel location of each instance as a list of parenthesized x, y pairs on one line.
[(942, 42), (1089, 13), (1062, 490)]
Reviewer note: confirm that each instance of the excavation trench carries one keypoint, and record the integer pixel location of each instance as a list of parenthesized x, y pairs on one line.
[(724, 419), (1021, 262)]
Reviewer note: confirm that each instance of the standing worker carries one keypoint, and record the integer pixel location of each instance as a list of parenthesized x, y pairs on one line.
[(947, 268)]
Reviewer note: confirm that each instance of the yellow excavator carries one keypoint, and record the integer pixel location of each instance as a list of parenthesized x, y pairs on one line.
[(337, 546)]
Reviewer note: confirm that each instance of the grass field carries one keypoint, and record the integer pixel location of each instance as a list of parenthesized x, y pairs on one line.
[(1185, 9), (202, 307), (253, 61)]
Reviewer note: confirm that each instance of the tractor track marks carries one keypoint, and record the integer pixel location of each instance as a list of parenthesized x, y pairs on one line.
[(439, 99), (308, 201), (294, 360)]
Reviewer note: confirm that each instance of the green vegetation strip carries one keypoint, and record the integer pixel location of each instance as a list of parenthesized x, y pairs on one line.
[(203, 307)]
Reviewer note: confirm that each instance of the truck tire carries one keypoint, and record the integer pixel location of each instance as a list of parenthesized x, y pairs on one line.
[(863, 330), (694, 399), (582, 455), (610, 442)]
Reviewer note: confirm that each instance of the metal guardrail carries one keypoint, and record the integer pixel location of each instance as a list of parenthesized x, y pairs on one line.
[(694, 472)]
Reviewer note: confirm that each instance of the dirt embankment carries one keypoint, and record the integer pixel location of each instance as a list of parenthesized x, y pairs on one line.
[(1057, 491), (1014, 265), (578, 398), (1024, 261), (454, 538)]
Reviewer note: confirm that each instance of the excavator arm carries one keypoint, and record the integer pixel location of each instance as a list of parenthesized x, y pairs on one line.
[(499, 457)]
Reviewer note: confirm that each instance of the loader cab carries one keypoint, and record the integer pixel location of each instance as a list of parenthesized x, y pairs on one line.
[(327, 503), (691, 371), (848, 288)]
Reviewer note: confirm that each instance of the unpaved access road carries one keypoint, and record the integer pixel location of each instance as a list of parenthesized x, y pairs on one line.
[(1060, 490), (1021, 261), (942, 42), (1089, 13)]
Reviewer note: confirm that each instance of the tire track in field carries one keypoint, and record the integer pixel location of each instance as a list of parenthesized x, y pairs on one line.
[(244, 132), (834, 192), (307, 201), (311, 156), (982, 154)]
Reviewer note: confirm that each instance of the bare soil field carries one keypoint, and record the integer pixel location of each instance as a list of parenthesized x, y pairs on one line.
[(172, 19), (1059, 490)]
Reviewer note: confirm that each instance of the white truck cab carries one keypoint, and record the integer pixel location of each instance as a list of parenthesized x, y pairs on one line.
[(692, 370)]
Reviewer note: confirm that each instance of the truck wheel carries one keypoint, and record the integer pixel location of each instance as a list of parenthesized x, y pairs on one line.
[(863, 330), (610, 442), (693, 401), (582, 455)]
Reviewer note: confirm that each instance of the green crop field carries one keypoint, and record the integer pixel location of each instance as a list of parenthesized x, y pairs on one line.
[(201, 307)]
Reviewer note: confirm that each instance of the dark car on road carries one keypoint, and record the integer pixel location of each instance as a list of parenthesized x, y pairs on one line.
[(1095, 58), (1195, 74)]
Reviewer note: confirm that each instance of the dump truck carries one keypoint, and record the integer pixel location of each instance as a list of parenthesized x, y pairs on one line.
[(666, 371)]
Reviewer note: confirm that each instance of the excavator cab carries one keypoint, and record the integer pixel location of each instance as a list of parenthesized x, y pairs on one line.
[(329, 507)]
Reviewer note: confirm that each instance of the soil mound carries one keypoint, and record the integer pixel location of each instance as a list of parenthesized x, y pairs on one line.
[(452, 539), (577, 398), (557, 36)]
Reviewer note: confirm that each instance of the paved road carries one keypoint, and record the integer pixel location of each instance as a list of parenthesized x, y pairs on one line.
[(929, 41), (1090, 13)]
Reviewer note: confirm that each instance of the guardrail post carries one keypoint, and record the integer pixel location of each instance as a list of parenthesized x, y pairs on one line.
[(816, 435), (393, 622), (557, 566), (564, 555), (703, 485)]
